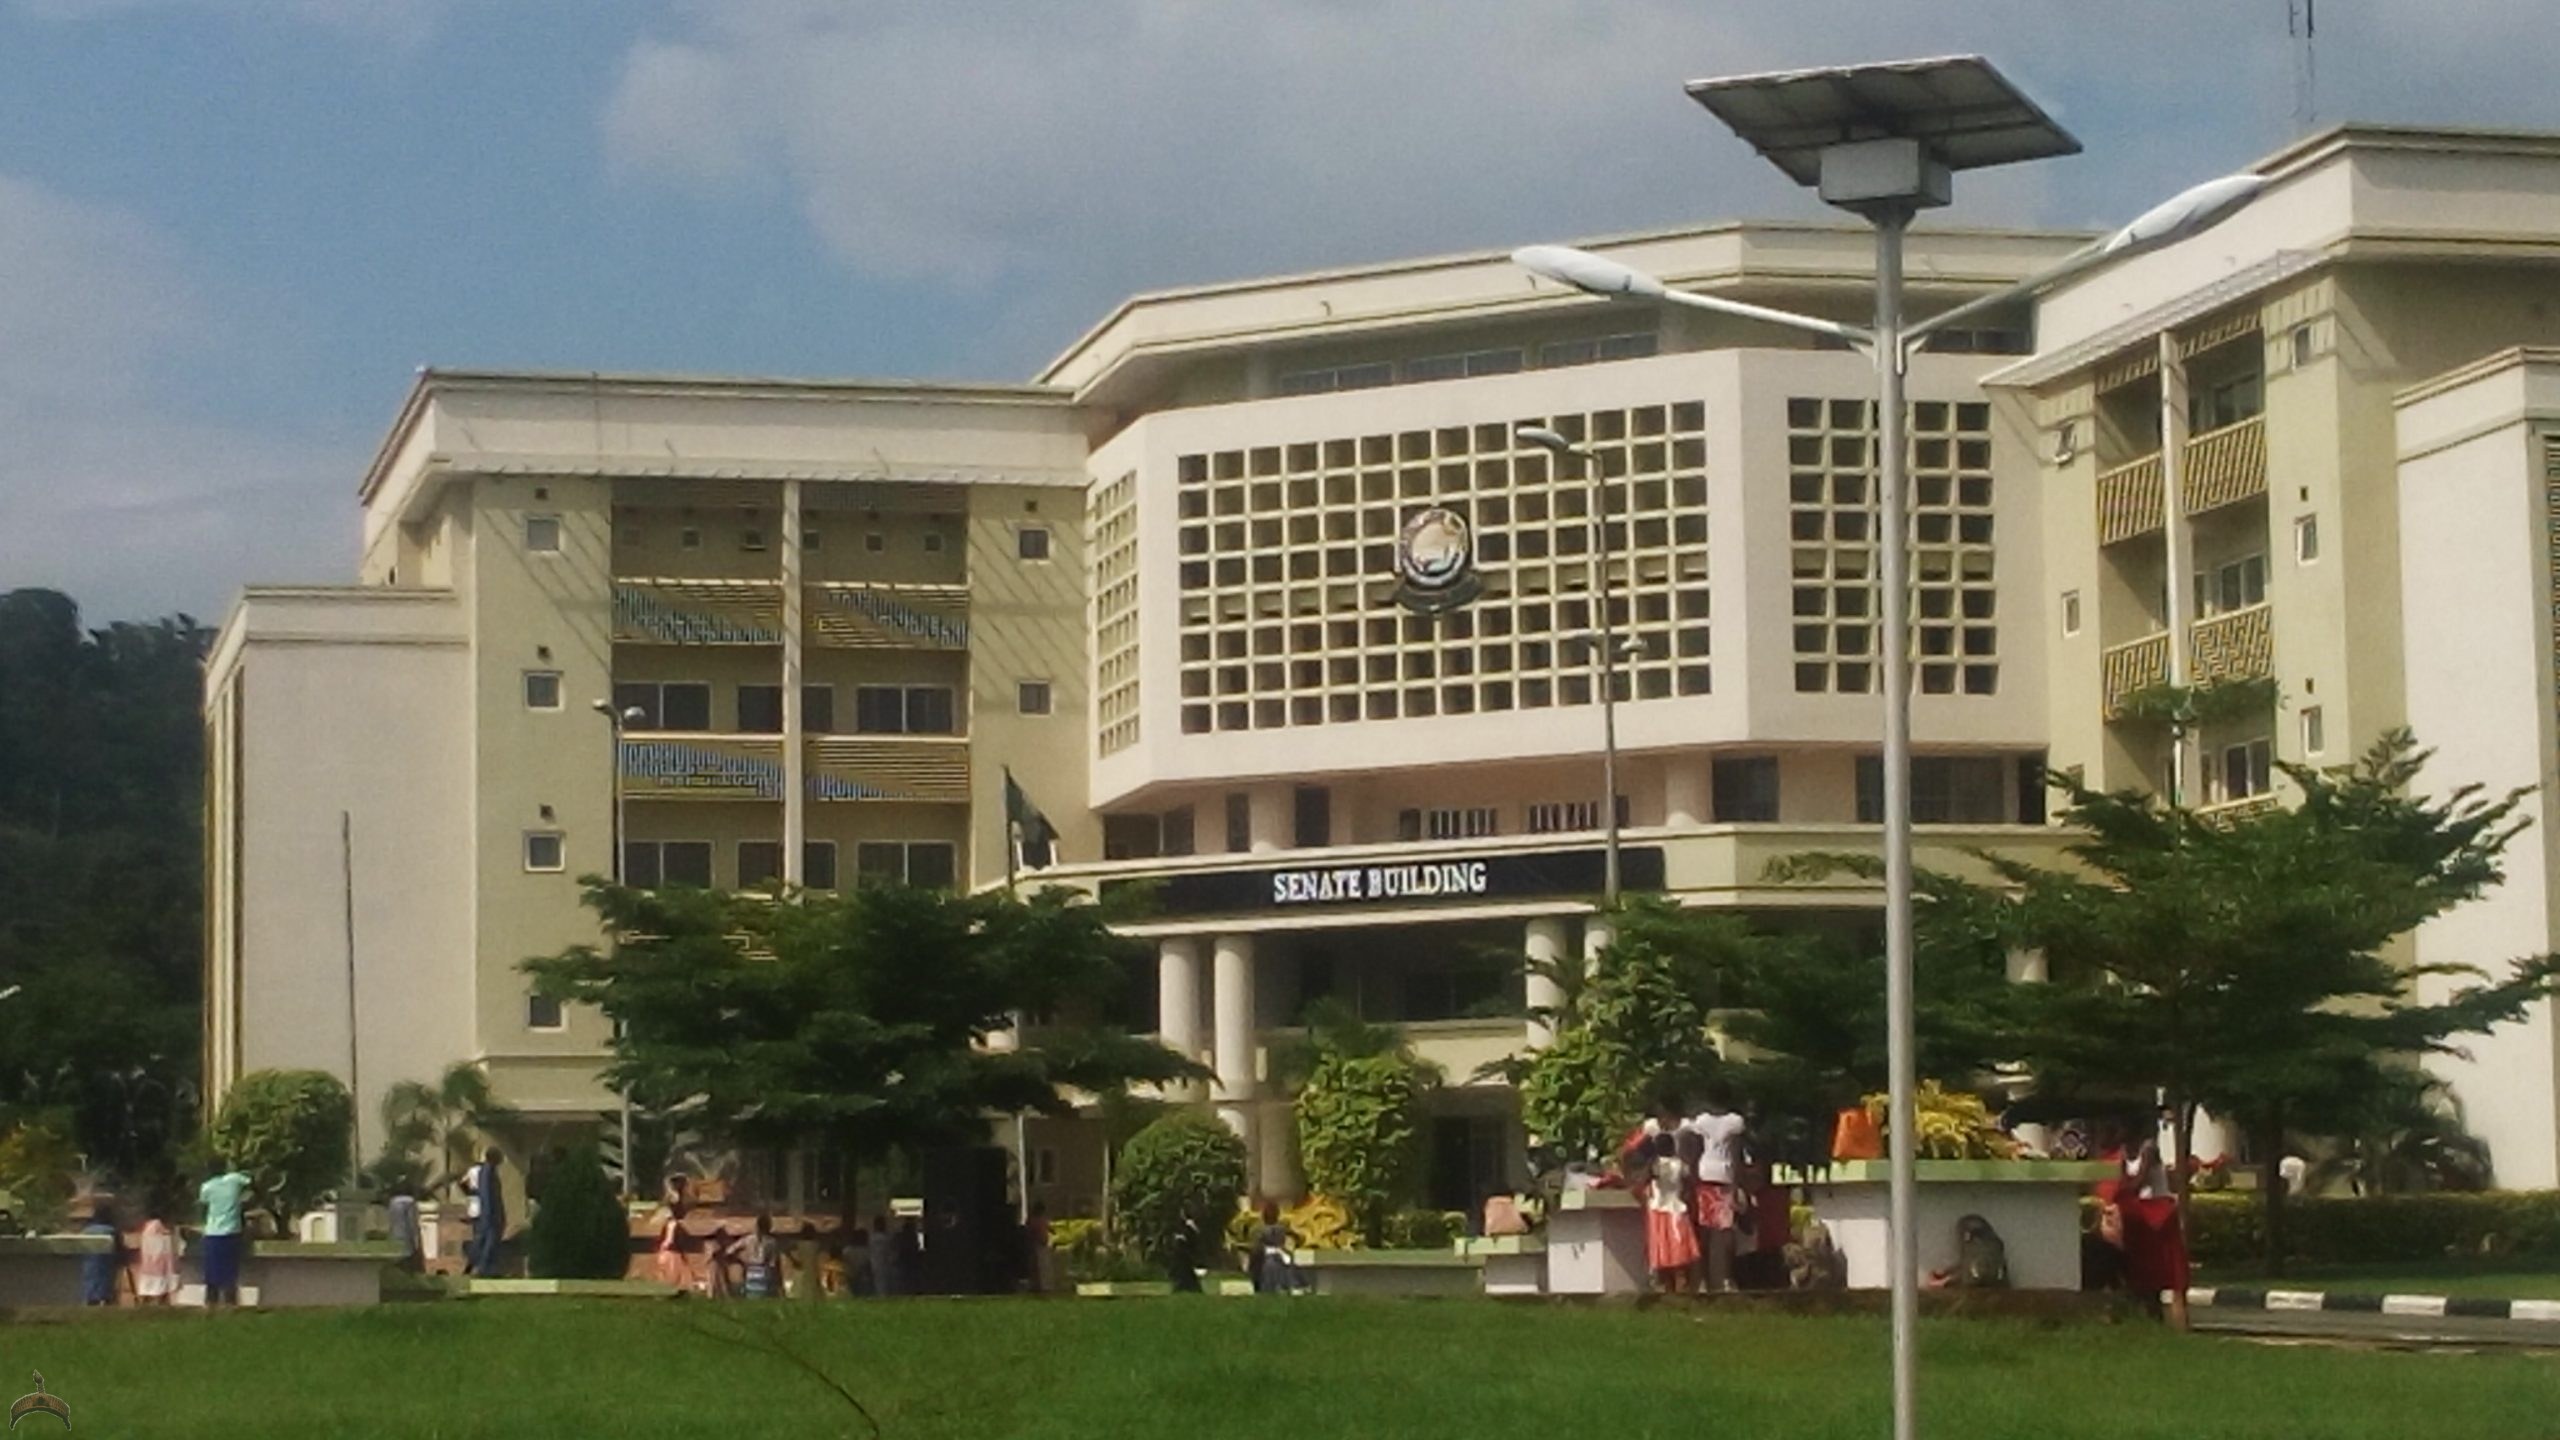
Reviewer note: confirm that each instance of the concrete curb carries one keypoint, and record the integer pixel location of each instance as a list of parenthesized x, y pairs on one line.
[(2462, 1307)]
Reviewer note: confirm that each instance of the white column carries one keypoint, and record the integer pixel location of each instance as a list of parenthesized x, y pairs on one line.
[(1274, 820), (2178, 538), (795, 780), (1688, 791), (1178, 1001), (1596, 937), (1545, 944), (1279, 1160), (1231, 1002), (2026, 967)]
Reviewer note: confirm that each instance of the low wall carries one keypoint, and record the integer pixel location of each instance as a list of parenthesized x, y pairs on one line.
[(45, 1270)]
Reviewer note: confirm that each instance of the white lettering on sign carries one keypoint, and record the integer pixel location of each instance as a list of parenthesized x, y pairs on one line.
[(1378, 882)]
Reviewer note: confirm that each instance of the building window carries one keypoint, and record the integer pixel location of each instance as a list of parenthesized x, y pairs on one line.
[(810, 539), (2070, 612), (874, 542), (544, 851), (1312, 807), (1945, 790), (543, 1012), (1031, 542), (760, 709), (2315, 735), (1343, 377), (751, 538), (1455, 822), (1239, 823), (1031, 697), (2306, 539), (659, 864), (1746, 790), (2233, 585), (689, 538), (1561, 817), (926, 864), (542, 689), (2301, 346), (665, 704), (760, 865), (902, 710), (933, 542), (2247, 770), (542, 534), (2228, 403)]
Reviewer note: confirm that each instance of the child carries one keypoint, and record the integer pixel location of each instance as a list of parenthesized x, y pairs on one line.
[(671, 1267), (1670, 1229), (155, 1269), (760, 1262)]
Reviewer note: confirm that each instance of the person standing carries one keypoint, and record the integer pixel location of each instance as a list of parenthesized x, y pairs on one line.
[(486, 1184), (401, 1216), (1719, 1129), (155, 1269), (221, 1194), (1670, 1231), (760, 1262), (102, 1271)]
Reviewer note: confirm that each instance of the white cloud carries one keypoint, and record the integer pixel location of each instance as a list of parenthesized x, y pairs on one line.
[(1073, 152), (113, 487)]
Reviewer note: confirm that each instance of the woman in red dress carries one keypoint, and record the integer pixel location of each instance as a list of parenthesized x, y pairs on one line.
[(2147, 1228)]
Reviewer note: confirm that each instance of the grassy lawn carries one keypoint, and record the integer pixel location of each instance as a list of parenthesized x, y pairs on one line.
[(1192, 1367), (2511, 1278)]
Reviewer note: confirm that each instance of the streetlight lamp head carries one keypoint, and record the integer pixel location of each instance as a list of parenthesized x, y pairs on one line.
[(1543, 438), (1586, 272), (634, 715), (2195, 208), (604, 707)]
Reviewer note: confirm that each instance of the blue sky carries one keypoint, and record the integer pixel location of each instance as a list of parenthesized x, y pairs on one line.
[(230, 229)]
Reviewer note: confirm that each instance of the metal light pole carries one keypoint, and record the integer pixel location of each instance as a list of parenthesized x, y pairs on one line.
[(614, 721), (1603, 590), (1882, 141)]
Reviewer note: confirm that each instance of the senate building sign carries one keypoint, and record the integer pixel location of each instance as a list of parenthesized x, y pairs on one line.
[(1398, 881)]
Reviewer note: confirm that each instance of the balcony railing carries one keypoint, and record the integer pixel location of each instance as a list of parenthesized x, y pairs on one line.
[(2221, 467), (928, 769), (704, 767), (2129, 669), (698, 612), (857, 615), (2227, 812), (2225, 466), (2129, 500), (2237, 645), (905, 617), (920, 769)]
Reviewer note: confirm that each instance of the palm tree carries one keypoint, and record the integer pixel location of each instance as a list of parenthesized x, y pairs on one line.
[(449, 1121)]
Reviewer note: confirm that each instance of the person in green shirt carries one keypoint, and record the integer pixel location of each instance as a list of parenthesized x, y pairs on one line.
[(222, 1194)]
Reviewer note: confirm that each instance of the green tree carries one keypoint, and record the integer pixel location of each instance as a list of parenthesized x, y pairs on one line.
[(101, 916), (1359, 1113), (292, 1132), (1633, 1025), (580, 1230), (1177, 1183), (859, 1018), (2244, 966), (432, 1133)]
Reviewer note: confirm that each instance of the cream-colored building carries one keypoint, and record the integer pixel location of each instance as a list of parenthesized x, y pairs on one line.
[(830, 605), (2249, 444), (1158, 584)]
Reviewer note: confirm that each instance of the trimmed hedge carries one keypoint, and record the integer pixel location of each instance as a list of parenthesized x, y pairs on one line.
[(2230, 1228)]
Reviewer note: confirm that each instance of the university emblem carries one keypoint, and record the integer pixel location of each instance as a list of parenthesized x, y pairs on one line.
[(1436, 562)]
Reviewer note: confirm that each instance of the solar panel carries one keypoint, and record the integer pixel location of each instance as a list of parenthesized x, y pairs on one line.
[(1962, 110)]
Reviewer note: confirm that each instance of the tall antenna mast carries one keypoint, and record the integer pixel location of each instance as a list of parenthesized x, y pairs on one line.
[(2302, 25)]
